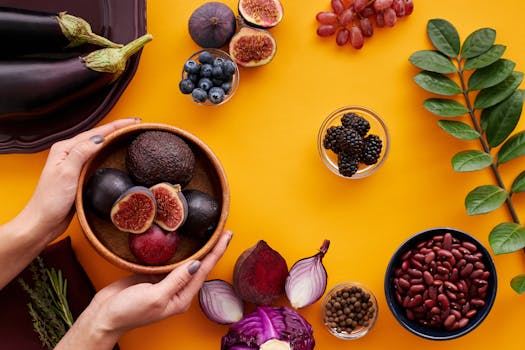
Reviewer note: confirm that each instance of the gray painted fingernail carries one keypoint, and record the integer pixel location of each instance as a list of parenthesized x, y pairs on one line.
[(97, 139), (194, 267)]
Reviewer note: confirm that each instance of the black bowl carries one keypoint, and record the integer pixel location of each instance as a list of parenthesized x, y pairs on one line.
[(414, 326)]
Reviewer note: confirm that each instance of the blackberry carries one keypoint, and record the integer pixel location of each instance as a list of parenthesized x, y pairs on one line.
[(371, 150), (347, 163), (330, 139), (349, 140), (359, 124)]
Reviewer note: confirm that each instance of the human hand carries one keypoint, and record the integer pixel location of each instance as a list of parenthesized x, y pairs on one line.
[(51, 203)]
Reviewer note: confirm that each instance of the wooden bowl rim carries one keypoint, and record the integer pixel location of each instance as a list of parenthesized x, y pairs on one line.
[(146, 269)]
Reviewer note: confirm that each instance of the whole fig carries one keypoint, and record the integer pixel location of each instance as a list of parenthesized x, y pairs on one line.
[(212, 25)]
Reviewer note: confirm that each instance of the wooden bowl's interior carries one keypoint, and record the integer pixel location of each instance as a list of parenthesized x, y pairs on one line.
[(112, 243)]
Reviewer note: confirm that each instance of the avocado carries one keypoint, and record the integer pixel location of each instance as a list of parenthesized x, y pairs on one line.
[(160, 156)]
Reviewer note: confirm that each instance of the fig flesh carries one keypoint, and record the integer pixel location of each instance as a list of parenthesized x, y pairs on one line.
[(212, 25), (155, 246), (203, 214), (261, 13), (259, 275), (134, 211), (252, 47), (104, 187), (172, 208)]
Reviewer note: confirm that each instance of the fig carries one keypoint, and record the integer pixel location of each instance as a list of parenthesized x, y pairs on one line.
[(172, 208), (252, 47), (261, 13), (212, 25), (104, 187), (259, 275), (160, 156), (203, 214), (135, 210), (155, 246)]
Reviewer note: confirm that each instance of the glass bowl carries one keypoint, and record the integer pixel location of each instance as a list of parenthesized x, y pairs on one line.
[(235, 78), (346, 300), (377, 127)]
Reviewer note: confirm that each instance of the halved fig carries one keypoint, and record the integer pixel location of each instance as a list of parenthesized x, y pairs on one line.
[(252, 47), (135, 210), (172, 207), (261, 13)]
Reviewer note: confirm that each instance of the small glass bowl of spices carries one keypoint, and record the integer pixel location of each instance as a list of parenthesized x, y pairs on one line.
[(349, 310)]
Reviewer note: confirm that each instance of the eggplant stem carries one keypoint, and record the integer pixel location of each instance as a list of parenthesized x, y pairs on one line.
[(135, 45), (78, 32)]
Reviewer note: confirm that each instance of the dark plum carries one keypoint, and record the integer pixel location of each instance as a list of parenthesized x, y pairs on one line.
[(155, 246), (104, 187), (203, 214)]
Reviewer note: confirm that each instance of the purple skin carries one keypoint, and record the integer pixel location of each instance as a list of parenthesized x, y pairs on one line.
[(155, 246)]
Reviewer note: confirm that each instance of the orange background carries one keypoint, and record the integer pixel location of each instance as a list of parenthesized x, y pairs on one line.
[(265, 138)]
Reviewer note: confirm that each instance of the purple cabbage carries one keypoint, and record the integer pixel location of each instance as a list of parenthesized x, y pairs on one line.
[(267, 323)]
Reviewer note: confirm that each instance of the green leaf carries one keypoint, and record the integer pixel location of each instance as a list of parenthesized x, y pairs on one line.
[(432, 61), (478, 42), (503, 118), (437, 83), (483, 119), (484, 199), (444, 107), (444, 36), (518, 185), (471, 160), (512, 148), (458, 129), (491, 75), (485, 59), (490, 96), (518, 283), (507, 237)]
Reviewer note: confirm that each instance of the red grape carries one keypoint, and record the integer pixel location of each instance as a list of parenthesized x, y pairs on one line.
[(359, 5), (348, 3), (327, 17), (409, 7), (366, 27), (342, 36), (326, 30), (399, 7), (367, 12), (380, 19), (337, 6), (356, 37), (345, 18), (382, 4), (390, 17)]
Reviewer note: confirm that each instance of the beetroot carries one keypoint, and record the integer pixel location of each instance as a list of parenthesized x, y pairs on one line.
[(260, 274)]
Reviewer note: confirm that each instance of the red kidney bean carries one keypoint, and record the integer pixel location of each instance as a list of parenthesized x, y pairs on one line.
[(447, 265), (415, 273), (451, 286), (471, 247), (479, 265), (417, 288), (406, 256), (456, 314), (435, 310), (467, 270), (447, 241), (416, 264), (471, 313), (461, 263), (456, 253), (443, 301), (403, 283), (415, 301), (442, 270), (410, 315), (451, 295), (479, 283), (429, 303), (449, 321), (485, 275), (438, 283), (437, 238), (483, 290), (476, 274), (399, 298), (418, 257), (430, 256), (471, 258), (416, 280), (454, 275), (464, 250), (477, 302), (427, 276), (432, 293), (442, 253), (405, 265), (463, 322)]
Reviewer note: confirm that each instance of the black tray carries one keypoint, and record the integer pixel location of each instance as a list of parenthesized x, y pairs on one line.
[(120, 21)]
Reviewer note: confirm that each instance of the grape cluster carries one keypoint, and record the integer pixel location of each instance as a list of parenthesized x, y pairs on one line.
[(352, 20)]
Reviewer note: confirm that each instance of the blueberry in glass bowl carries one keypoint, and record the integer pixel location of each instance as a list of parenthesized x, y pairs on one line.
[(210, 77)]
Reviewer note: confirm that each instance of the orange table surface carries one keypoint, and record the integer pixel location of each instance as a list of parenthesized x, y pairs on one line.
[(266, 139)]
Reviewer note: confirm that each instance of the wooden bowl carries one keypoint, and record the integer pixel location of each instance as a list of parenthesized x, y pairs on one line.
[(112, 244)]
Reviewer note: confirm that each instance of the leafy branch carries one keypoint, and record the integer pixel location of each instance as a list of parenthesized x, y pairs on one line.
[(49, 307), (492, 102)]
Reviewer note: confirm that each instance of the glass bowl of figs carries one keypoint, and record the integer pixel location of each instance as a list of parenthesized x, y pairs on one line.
[(441, 283), (210, 77), (353, 142), (153, 197), (349, 310)]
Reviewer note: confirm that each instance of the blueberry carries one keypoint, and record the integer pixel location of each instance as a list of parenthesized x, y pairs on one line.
[(218, 61), (217, 82), (199, 95), (228, 68), (191, 67), (206, 57), (186, 86), (205, 84), (226, 87), (216, 95), (206, 70), (217, 72), (194, 77)]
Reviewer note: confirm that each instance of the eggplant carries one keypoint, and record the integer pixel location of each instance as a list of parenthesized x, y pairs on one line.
[(25, 32), (32, 88)]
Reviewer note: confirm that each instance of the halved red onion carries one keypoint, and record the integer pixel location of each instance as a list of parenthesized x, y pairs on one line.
[(219, 302), (306, 282)]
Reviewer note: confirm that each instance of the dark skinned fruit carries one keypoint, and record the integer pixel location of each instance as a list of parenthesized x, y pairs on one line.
[(261, 13), (252, 47), (212, 25), (155, 246), (104, 187), (135, 210), (172, 208), (203, 214)]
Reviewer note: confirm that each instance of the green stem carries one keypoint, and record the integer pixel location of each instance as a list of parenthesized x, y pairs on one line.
[(484, 144)]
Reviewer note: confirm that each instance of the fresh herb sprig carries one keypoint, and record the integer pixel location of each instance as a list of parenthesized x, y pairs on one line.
[(49, 307), (490, 98)]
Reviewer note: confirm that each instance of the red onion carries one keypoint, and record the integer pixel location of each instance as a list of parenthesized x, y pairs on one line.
[(306, 282), (219, 302)]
